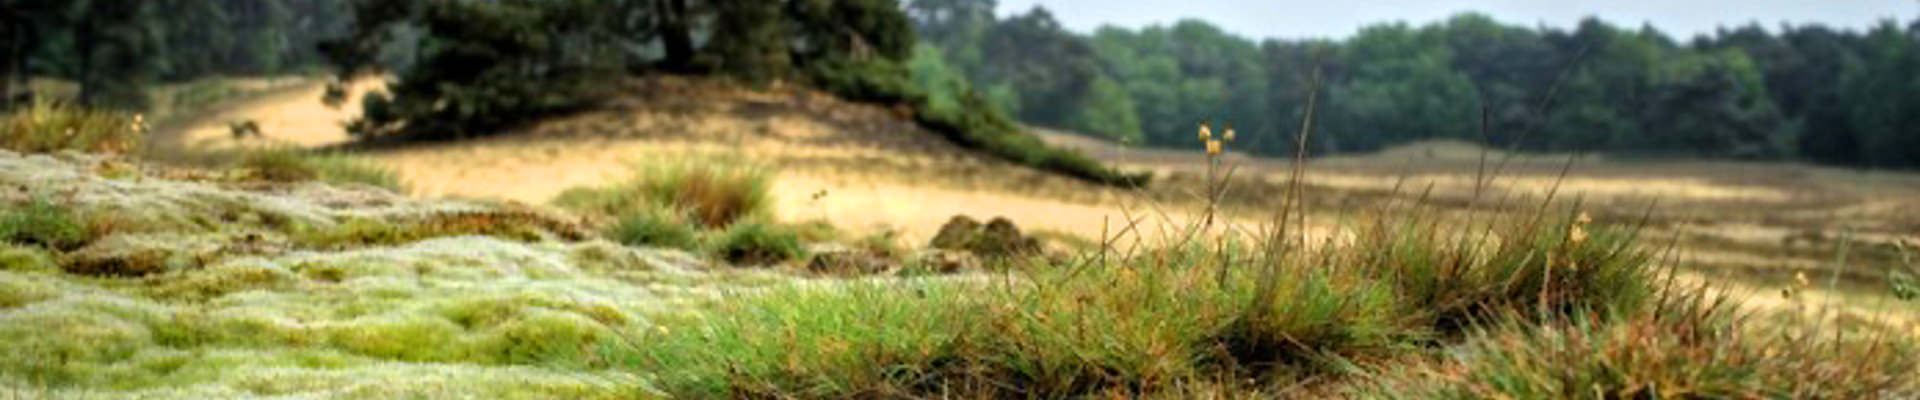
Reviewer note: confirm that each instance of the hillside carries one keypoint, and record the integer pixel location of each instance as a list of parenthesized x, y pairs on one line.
[(880, 171)]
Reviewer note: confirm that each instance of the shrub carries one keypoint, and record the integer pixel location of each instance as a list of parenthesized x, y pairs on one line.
[(659, 229), (712, 193), (295, 165), (42, 223), (978, 125), (47, 126)]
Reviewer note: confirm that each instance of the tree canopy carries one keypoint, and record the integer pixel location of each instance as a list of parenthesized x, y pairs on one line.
[(1794, 93)]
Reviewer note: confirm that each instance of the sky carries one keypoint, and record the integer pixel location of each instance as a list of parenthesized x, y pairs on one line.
[(1294, 19)]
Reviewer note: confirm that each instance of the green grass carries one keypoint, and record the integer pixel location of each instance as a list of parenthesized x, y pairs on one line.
[(42, 223), (46, 126), (756, 243), (1234, 316), (657, 229), (296, 165), (1688, 350)]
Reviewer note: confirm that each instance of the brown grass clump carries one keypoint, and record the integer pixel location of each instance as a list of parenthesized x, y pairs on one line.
[(47, 126), (712, 193)]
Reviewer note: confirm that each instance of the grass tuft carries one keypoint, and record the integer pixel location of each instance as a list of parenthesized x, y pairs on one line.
[(656, 229), (42, 223), (1689, 350), (712, 193), (296, 165), (47, 126), (758, 243)]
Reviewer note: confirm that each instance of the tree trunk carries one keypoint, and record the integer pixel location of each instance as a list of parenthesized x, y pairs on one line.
[(676, 35), (84, 39), (13, 46)]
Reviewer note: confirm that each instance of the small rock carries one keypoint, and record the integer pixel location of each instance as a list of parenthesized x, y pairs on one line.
[(847, 263)]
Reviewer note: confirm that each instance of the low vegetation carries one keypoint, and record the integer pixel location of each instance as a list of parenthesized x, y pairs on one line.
[(1156, 322), (719, 207), (42, 223), (297, 165), (47, 126)]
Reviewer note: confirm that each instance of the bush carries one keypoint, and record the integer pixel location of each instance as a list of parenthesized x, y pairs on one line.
[(758, 243), (712, 193), (658, 229), (46, 127), (973, 123), (42, 223), (295, 165), (978, 125)]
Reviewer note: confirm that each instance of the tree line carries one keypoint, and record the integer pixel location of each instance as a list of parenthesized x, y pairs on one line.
[(1794, 93), (114, 48)]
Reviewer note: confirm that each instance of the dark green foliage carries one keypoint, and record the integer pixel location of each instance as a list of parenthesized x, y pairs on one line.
[(978, 125), (490, 65), (115, 48), (878, 81), (42, 223), (1809, 92), (758, 244)]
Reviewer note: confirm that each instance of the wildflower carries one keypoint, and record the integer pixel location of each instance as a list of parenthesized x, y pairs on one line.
[(1583, 219), (1801, 278), (1206, 133), (1213, 148), (1577, 234), (1229, 135)]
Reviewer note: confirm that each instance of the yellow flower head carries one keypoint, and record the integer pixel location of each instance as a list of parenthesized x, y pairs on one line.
[(1213, 148), (1577, 234), (1229, 135), (1583, 219), (1206, 132)]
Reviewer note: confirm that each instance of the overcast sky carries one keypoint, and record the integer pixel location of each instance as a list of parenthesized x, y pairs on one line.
[(1337, 19)]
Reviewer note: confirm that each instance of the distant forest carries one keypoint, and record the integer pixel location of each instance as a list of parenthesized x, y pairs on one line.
[(468, 67), (1793, 93)]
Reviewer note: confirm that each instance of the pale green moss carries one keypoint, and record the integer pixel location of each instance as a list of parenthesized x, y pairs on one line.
[(26, 259)]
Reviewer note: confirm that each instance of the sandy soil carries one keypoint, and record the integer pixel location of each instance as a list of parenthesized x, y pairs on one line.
[(882, 174), (902, 186)]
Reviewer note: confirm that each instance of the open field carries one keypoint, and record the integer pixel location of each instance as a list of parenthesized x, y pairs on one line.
[(1760, 223), (251, 279)]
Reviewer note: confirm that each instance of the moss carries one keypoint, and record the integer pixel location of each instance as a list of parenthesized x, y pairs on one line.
[(399, 338), (26, 259), (60, 346), (17, 289), (205, 284)]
